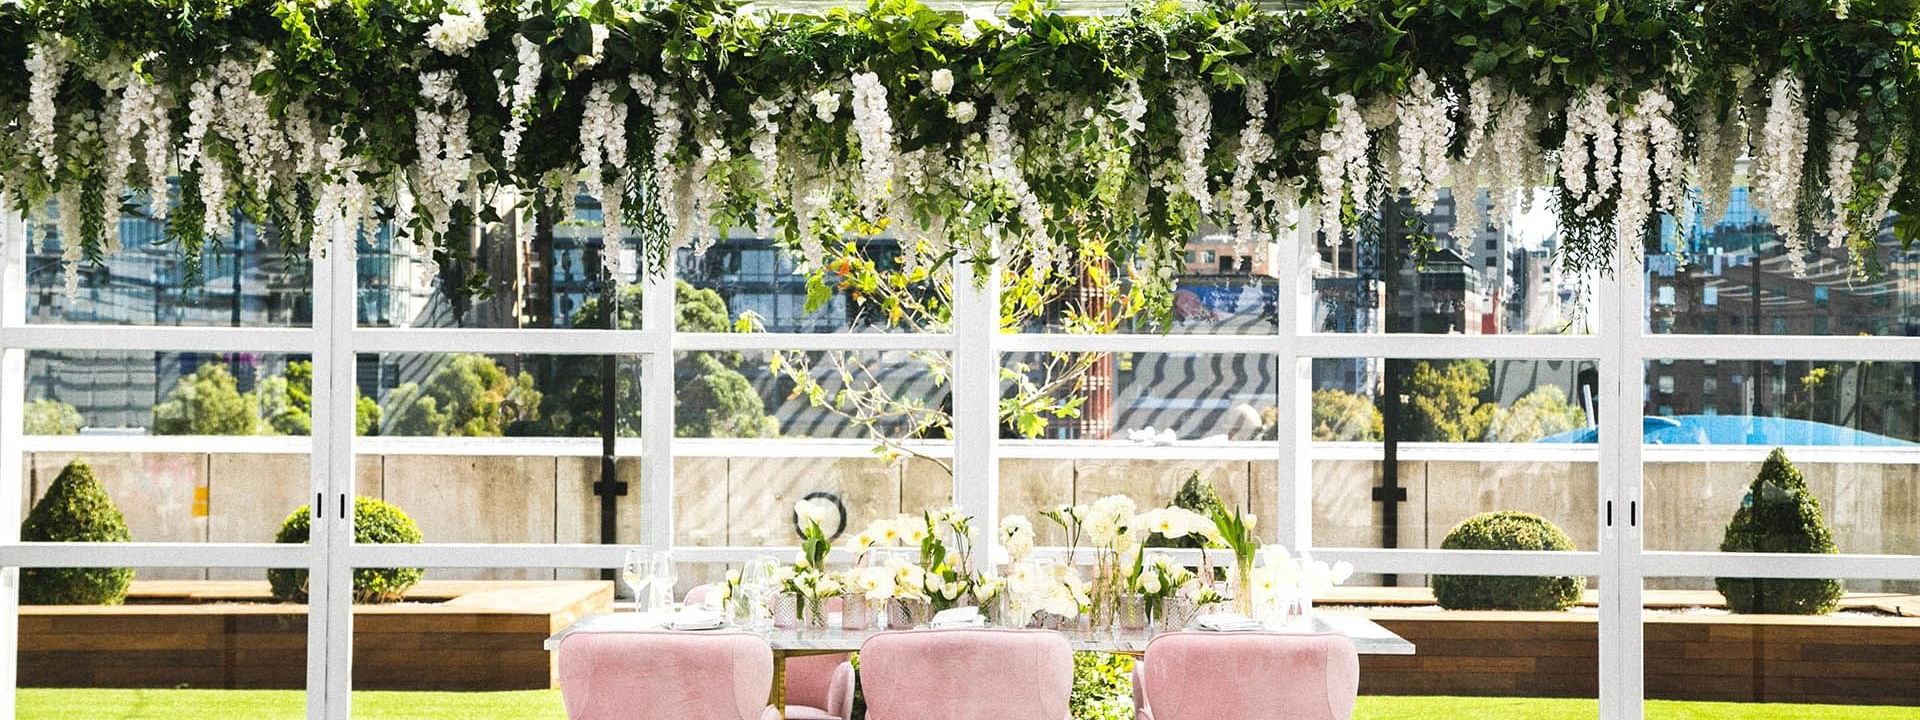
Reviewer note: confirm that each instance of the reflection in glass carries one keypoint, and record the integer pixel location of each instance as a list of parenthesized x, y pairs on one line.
[(1735, 277)]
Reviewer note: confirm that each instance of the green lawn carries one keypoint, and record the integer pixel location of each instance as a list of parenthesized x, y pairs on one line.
[(36, 704)]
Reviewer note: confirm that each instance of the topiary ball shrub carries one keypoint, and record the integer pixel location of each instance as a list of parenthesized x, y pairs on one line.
[(1779, 515), (1506, 531), (374, 522), (76, 508)]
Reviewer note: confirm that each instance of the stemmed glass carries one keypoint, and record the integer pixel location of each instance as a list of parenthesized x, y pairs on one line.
[(756, 581), (666, 579), (638, 571)]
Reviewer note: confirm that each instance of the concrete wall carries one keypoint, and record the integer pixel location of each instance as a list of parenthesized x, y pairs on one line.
[(743, 500)]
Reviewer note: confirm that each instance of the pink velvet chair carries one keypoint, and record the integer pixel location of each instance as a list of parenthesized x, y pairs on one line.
[(819, 687), (967, 674), (1247, 676), (666, 676)]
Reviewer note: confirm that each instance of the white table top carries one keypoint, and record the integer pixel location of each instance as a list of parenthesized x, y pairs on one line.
[(1368, 637)]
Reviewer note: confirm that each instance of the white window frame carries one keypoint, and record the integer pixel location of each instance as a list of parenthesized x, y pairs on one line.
[(1619, 346)]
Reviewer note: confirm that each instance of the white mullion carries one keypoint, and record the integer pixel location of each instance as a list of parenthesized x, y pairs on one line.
[(976, 393), (657, 408), (1705, 564), (1623, 630), (842, 341), (13, 382), (330, 596), (158, 555), (146, 338), (1293, 417), (1414, 346), (1139, 343), (1776, 347), (497, 341)]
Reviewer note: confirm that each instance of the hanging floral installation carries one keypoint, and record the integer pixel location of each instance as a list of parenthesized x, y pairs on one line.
[(963, 133)]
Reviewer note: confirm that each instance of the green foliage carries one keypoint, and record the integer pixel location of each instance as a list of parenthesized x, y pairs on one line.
[(47, 416), (207, 402), (1444, 403), (1341, 415), (286, 403), (719, 402), (76, 508), (1198, 495), (1779, 515), (1102, 687), (469, 396), (714, 398), (1537, 414), (374, 521), (1506, 531)]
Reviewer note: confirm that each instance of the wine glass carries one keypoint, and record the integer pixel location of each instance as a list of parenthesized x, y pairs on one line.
[(756, 580), (666, 578), (638, 571)]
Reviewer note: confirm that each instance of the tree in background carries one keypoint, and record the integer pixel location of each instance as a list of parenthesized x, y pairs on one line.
[(1779, 515), (1537, 414), (47, 416), (286, 403), (1445, 404), (714, 399), (207, 402), (469, 396), (1341, 415)]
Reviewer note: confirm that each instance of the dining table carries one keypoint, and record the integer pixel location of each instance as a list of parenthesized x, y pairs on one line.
[(1368, 638)]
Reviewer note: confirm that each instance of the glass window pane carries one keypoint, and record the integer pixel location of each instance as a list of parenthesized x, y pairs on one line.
[(1507, 278)]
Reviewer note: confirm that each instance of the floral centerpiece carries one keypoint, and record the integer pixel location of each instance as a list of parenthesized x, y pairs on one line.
[(1282, 586), (1236, 532), (1038, 591), (808, 583)]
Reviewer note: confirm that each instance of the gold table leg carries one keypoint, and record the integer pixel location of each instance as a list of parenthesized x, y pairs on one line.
[(777, 695)]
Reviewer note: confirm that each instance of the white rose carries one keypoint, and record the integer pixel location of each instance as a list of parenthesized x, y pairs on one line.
[(962, 112), (942, 81)]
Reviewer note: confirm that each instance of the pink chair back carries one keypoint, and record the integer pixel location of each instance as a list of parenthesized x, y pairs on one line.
[(1250, 676), (967, 674), (665, 676)]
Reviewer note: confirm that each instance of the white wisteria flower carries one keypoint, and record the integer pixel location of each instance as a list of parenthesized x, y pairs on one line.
[(1193, 115), (1778, 165), (873, 128), (46, 66), (603, 160), (519, 98), (1016, 536), (1425, 134), (1256, 149), (1589, 151), (445, 154), (462, 26), (1342, 165), (1843, 149)]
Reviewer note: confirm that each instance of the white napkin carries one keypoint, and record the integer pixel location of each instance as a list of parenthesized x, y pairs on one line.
[(1226, 622), (697, 620), (959, 617)]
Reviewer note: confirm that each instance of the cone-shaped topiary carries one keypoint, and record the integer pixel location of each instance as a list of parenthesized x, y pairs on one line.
[(1779, 515), (375, 522), (75, 509), (1195, 494), (1506, 531)]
